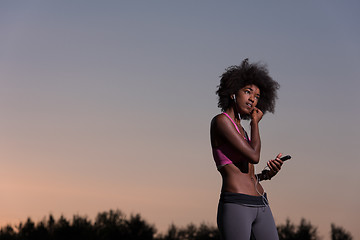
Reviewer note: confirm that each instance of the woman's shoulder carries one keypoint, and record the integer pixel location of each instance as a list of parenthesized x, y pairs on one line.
[(219, 120), (217, 123)]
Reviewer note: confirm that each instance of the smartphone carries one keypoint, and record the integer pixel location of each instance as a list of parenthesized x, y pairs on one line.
[(284, 158)]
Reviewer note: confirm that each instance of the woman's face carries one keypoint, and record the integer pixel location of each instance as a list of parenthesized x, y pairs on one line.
[(247, 99)]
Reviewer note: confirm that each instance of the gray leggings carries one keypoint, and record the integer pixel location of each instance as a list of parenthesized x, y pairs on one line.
[(240, 222)]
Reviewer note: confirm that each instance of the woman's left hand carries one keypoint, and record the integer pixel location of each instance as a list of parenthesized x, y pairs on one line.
[(256, 115), (275, 165)]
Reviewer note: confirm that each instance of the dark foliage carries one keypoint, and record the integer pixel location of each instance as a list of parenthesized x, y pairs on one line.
[(107, 226), (338, 233), (115, 225), (305, 231), (191, 232)]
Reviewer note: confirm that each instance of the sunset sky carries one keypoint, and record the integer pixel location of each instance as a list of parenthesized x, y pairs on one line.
[(107, 105)]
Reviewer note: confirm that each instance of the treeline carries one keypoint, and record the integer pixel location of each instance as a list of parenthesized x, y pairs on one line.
[(306, 231), (115, 225)]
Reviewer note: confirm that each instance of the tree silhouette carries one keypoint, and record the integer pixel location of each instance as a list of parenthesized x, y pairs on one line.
[(7, 233), (287, 231), (62, 229), (172, 233), (338, 233), (27, 230), (138, 229), (205, 232), (188, 233), (191, 232), (82, 228), (112, 224), (305, 231)]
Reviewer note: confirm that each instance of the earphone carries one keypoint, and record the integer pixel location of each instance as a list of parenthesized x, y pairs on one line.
[(234, 98), (264, 199)]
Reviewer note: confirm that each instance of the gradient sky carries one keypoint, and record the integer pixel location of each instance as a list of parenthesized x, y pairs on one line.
[(107, 105)]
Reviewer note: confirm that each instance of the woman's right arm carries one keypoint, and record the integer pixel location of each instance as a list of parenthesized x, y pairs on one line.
[(255, 142), (227, 132)]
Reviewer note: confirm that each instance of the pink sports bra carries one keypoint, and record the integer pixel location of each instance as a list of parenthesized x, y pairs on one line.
[(226, 154)]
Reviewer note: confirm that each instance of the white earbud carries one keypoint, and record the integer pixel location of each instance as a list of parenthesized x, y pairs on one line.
[(234, 97)]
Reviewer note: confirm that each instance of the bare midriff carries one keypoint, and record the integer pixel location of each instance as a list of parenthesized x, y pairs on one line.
[(236, 181)]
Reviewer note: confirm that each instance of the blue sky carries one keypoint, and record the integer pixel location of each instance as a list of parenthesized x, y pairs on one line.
[(107, 105)]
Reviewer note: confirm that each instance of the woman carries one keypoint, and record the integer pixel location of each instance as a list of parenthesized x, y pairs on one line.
[(245, 92)]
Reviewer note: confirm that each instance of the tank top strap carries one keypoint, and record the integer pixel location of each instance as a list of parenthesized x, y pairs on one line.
[(232, 122)]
